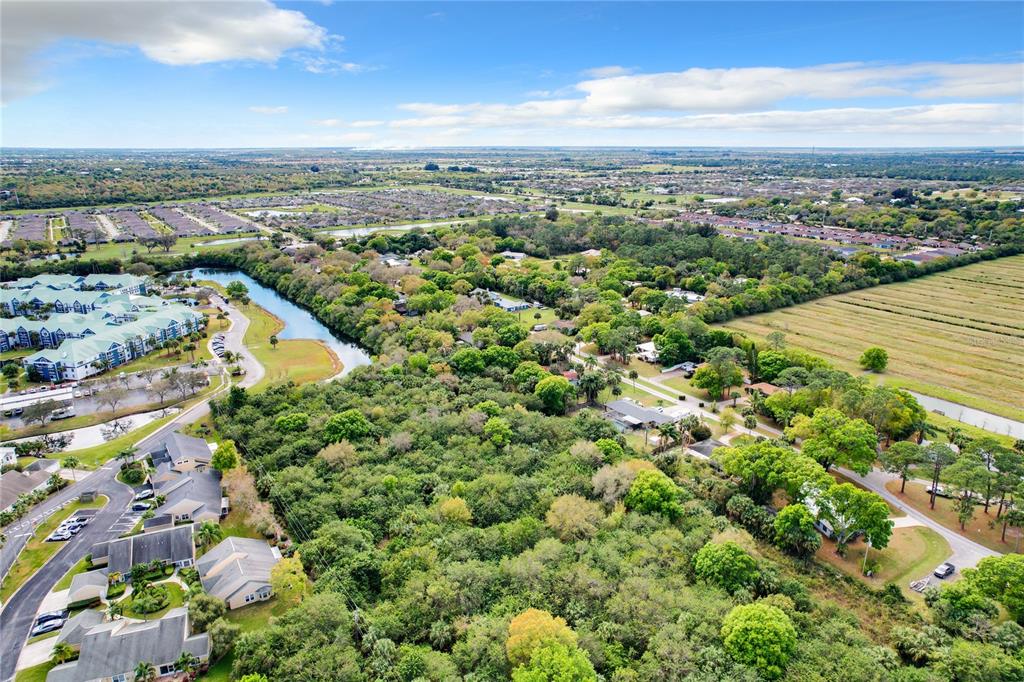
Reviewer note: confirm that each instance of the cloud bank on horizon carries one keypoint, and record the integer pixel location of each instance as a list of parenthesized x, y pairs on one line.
[(253, 44)]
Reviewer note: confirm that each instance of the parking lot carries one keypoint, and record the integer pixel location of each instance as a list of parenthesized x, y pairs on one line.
[(126, 521)]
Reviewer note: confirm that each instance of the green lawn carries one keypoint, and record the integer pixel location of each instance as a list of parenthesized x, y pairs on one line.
[(256, 616), (160, 359), (912, 553), (37, 551), (65, 582), (35, 673), (177, 598), (236, 524), (301, 360), (219, 671)]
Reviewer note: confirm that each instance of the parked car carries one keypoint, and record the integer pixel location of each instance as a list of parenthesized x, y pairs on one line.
[(939, 491), (59, 536), (144, 494), (945, 570), (51, 615), (48, 626), (140, 507)]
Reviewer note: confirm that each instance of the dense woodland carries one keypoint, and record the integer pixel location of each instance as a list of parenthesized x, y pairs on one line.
[(464, 511)]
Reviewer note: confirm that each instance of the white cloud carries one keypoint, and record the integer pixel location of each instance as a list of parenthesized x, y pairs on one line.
[(745, 89), (366, 124), (179, 33), (607, 72), (328, 122), (834, 99), (929, 119), (270, 111), (319, 64)]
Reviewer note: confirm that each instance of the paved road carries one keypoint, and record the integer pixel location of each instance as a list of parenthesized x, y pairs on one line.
[(18, 614), (966, 553), (234, 341)]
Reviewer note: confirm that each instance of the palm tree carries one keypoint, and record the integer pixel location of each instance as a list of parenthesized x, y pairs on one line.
[(957, 437), (114, 609), (208, 533), (591, 384), (70, 463), (145, 672), (924, 429), (126, 455), (62, 652), (188, 664), (669, 433)]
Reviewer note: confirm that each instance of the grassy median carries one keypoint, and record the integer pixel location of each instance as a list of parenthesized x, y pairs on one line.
[(37, 550)]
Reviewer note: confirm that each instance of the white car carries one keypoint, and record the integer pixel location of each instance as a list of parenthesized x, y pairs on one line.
[(144, 495)]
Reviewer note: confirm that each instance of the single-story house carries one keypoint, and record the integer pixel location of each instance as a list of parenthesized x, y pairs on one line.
[(507, 304), (88, 586), (647, 352), (111, 651), (174, 546), (513, 255), (14, 484), (237, 570), (763, 387), (181, 452), (8, 457), (74, 630), (191, 496), (627, 415)]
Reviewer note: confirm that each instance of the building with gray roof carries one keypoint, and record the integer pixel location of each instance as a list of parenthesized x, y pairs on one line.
[(238, 570), (14, 484), (629, 415), (173, 546), (88, 586), (111, 651)]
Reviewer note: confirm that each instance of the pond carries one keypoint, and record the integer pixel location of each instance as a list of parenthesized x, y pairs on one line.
[(968, 415), (299, 323), (233, 240)]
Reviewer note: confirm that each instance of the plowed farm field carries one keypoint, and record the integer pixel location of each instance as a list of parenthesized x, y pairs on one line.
[(957, 335)]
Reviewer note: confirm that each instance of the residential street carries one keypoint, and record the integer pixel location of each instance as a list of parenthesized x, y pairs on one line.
[(966, 553), (19, 612)]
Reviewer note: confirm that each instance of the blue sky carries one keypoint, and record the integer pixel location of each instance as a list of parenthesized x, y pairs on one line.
[(259, 74)]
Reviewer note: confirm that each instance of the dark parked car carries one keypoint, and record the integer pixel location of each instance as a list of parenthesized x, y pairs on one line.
[(945, 570), (51, 615), (140, 507)]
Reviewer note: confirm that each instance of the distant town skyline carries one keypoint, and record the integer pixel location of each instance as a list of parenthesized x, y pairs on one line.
[(418, 74)]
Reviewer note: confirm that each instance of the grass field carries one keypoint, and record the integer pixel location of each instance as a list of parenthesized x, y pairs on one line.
[(37, 550), (953, 335), (184, 245), (912, 553), (982, 528), (301, 360)]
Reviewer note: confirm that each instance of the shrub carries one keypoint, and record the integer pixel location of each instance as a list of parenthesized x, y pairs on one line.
[(725, 565), (759, 635)]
